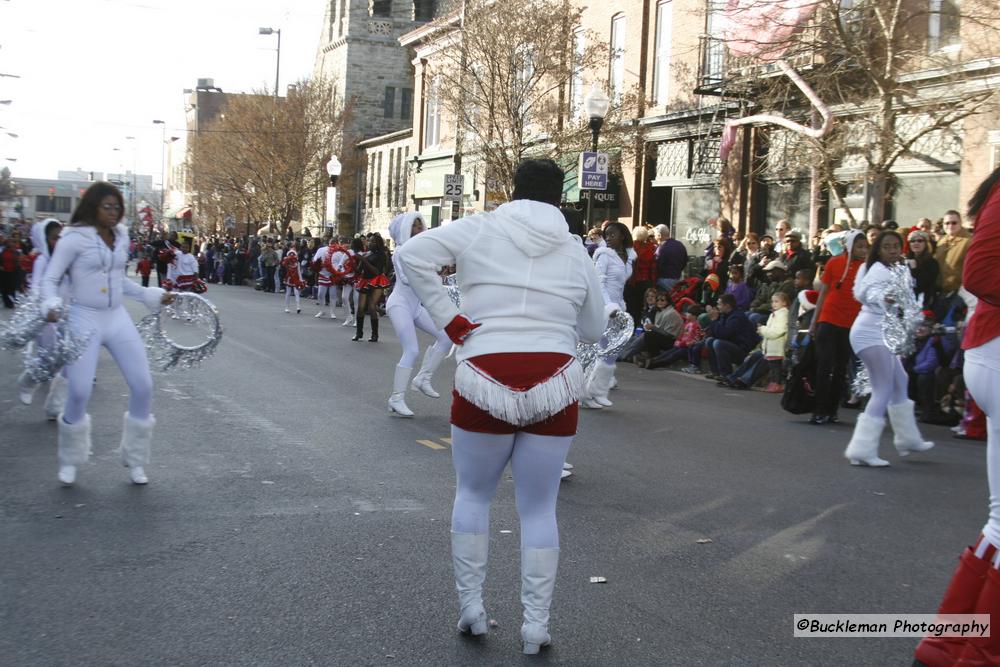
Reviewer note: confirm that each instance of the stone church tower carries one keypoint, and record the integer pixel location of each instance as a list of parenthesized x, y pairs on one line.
[(359, 51)]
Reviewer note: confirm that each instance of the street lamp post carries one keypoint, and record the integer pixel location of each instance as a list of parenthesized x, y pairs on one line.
[(277, 66), (333, 169), (597, 105), (132, 185), (163, 162)]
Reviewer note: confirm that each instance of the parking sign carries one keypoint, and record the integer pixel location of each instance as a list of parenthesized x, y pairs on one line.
[(593, 170)]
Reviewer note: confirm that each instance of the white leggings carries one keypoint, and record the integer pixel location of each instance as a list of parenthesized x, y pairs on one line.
[(406, 330), (321, 293), (983, 383), (289, 290), (888, 378), (536, 462), (114, 330), (345, 294)]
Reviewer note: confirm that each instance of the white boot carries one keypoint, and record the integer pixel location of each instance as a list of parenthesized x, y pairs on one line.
[(906, 435), (55, 401), (422, 381), (469, 553), (25, 389), (349, 321), (538, 580), (397, 404), (74, 448), (863, 447), (137, 438), (600, 384)]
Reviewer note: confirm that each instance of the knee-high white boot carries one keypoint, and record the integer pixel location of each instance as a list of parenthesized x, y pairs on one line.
[(863, 447), (397, 402), (469, 553), (137, 438), (422, 380), (587, 399), (25, 389), (74, 448), (55, 401), (906, 434), (538, 580), (600, 384)]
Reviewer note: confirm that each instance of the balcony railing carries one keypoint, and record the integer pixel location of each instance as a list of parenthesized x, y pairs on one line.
[(720, 72)]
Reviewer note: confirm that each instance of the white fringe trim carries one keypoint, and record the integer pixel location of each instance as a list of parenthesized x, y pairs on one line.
[(516, 407)]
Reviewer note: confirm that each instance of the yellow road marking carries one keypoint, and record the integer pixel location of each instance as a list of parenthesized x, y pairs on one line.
[(447, 440), (430, 444)]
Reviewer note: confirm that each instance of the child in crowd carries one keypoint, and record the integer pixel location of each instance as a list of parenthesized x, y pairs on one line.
[(774, 335), (710, 290), (922, 367), (687, 345), (648, 315), (738, 287), (144, 268)]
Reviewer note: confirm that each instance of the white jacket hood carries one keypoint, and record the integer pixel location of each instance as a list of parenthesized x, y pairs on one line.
[(402, 225), (38, 236), (534, 227)]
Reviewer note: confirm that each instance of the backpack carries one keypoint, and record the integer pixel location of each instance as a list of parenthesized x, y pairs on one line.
[(800, 392)]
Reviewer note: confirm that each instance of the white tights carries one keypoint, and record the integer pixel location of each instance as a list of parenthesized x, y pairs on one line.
[(536, 462), (406, 330), (288, 294), (321, 293), (983, 383), (888, 379), (114, 330)]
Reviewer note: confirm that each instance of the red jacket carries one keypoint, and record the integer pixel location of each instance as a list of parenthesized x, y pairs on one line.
[(980, 276), (644, 269), (9, 259)]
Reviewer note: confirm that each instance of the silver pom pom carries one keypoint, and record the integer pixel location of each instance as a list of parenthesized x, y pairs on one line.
[(24, 325), (182, 334), (862, 384), (902, 312), (616, 336), (57, 348)]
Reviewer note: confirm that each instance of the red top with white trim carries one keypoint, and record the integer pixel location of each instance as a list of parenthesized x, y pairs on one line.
[(980, 276)]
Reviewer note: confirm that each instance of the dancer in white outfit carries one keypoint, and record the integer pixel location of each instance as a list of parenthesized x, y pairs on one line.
[(407, 315), (614, 262), (888, 378), (326, 277), (351, 277), (44, 235), (529, 290), (94, 251)]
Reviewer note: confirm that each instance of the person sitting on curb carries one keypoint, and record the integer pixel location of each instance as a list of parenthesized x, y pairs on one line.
[(730, 337)]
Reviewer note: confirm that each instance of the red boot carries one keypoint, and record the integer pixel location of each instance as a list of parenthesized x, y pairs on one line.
[(960, 598), (985, 651)]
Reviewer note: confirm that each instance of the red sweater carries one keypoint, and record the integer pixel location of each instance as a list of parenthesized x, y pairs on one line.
[(980, 276)]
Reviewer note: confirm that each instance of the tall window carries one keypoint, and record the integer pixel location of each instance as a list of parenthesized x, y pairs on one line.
[(381, 7), (333, 20), (389, 102), (943, 24), (423, 10), (389, 177), (617, 77), (378, 179), (576, 80), (406, 104), (342, 18), (661, 66), (432, 115), (713, 59)]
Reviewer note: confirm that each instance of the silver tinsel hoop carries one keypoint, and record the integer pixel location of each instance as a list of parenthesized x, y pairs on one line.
[(25, 324), (902, 312), (617, 334), (862, 384), (191, 310), (47, 346)]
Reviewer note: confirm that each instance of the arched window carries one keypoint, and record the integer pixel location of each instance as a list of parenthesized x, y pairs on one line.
[(661, 65), (617, 74)]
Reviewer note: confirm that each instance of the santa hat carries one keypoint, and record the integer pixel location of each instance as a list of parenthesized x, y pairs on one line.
[(807, 300), (712, 280), (291, 253)]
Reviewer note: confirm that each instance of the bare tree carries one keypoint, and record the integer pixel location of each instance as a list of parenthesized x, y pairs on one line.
[(510, 76), (266, 159), (901, 77)]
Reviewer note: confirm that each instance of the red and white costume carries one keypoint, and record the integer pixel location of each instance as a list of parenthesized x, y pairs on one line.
[(975, 587), (293, 279), (182, 274), (327, 275), (532, 291)]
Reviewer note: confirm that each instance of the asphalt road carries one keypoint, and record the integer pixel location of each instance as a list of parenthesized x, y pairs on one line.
[(290, 521)]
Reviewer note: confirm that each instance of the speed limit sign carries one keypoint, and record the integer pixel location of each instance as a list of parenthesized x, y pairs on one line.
[(453, 185)]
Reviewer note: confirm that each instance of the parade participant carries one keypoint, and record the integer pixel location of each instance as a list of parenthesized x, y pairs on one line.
[(165, 249), (340, 260), (528, 290), (93, 251), (44, 236), (614, 267), (326, 276), (407, 315), (182, 273), (293, 279), (372, 281), (888, 377), (975, 586), (351, 278)]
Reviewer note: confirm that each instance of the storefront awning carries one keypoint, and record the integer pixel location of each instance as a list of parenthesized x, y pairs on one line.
[(181, 213)]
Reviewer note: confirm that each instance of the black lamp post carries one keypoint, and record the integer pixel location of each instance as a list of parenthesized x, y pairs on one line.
[(597, 105)]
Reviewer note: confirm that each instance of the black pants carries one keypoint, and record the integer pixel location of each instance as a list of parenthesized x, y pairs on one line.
[(833, 351), (145, 280), (654, 342), (8, 285)]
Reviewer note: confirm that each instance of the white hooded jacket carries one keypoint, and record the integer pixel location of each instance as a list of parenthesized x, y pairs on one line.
[(399, 232), (522, 275), (40, 243), (97, 273)]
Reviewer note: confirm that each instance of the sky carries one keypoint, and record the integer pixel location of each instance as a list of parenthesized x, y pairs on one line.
[(93, 72)]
